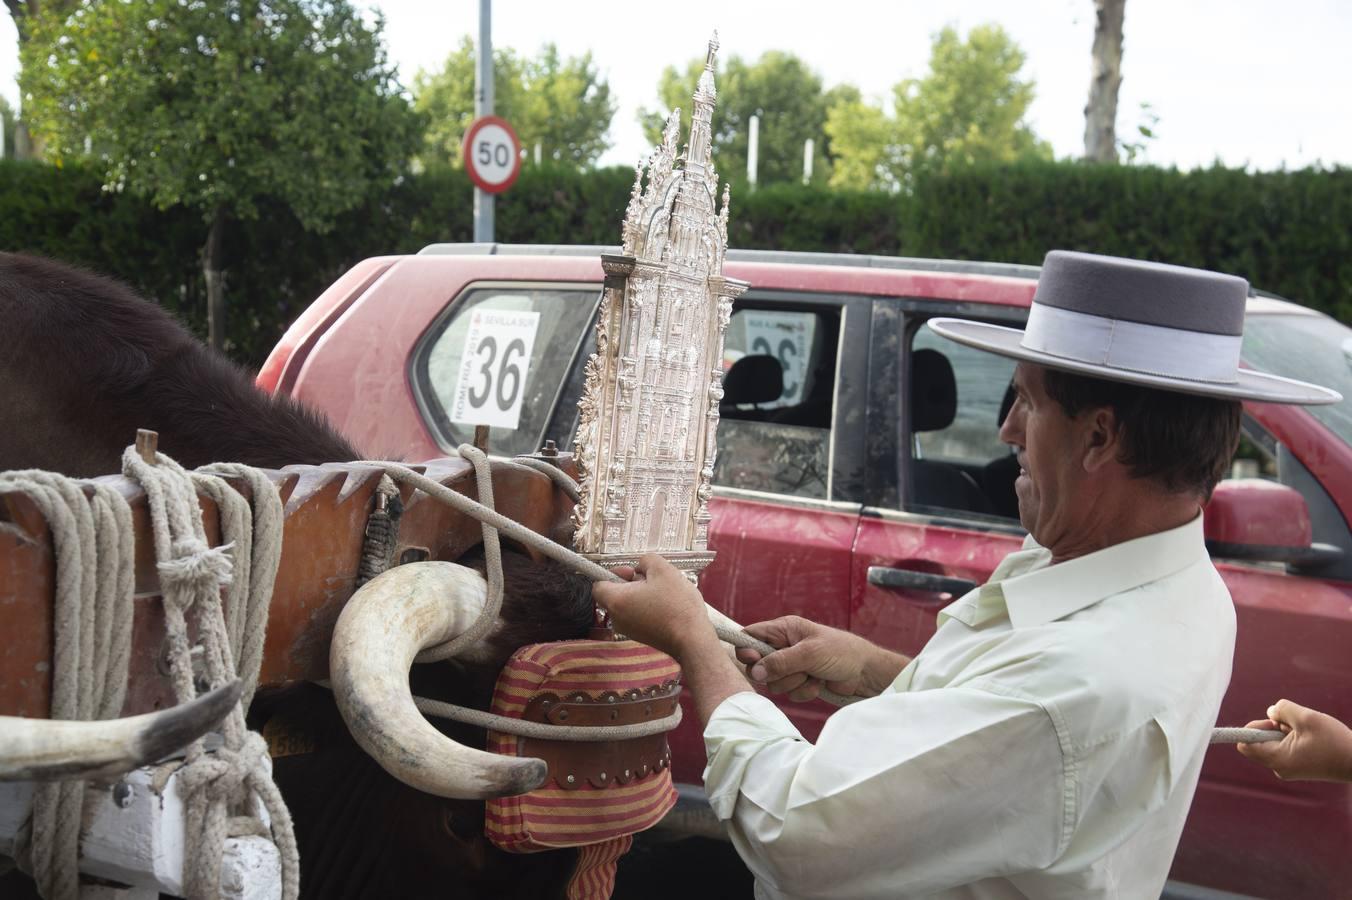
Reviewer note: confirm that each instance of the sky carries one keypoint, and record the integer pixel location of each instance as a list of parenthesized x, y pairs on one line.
[(1251, 83)]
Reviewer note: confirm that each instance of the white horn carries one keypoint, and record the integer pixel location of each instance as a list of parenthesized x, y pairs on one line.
[(387, 621), (60, 750)]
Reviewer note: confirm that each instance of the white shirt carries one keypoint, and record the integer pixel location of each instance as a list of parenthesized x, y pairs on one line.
[(1045, 743)]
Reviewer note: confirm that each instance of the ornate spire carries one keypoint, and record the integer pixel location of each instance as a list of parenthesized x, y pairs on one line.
[(649, 411), (700, 149)]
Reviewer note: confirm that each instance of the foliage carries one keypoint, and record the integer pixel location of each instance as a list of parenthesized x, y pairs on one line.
[(780, 88), (562, 104), (23, 11), (1287, 232), (222, 105), (969, 108), (1135, 150)]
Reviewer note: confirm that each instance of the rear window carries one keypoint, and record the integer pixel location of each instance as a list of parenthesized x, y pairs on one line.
[(497, 357), (1311, 348)]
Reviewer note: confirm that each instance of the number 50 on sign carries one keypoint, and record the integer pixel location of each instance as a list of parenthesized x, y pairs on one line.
[(494, 366)]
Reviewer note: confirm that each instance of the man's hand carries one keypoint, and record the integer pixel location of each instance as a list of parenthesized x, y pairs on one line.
[(1317, 747), (658, 606), (812, 655)]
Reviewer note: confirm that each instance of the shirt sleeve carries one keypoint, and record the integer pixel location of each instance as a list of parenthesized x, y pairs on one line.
[(907, 792)]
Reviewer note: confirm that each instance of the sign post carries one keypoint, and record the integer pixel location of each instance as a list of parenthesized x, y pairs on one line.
[(483, 106)]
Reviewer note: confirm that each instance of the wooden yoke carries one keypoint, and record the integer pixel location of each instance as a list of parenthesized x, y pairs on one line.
[(326, 512)]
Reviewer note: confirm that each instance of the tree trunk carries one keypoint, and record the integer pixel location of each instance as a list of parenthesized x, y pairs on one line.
[(211, 268), (1100, 115)]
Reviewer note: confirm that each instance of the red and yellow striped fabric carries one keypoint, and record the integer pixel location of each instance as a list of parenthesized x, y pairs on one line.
[(552, 816)]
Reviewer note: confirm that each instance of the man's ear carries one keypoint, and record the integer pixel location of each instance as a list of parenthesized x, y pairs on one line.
[(1102, 438)]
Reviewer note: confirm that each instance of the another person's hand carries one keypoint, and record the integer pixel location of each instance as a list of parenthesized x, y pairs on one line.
[(1317, 747), (812, 655), (658, 605)]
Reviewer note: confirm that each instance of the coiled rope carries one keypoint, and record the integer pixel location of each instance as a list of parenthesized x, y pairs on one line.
[(92, 618)]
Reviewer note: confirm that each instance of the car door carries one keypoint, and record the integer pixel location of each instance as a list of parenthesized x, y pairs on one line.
[(928, 533)]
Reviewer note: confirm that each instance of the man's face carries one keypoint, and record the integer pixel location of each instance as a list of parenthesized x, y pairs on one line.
[(1050, 449)]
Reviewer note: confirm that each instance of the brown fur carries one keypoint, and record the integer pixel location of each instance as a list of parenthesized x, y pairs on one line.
[(84, 362)]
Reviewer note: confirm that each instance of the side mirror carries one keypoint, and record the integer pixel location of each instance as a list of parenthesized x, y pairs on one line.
[(1255, 520)]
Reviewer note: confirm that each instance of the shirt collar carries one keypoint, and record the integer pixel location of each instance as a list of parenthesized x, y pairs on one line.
[(1056, 591), (1033, 592)]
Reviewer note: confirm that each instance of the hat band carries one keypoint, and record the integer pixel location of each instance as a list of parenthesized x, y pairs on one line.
[(1133, 346)]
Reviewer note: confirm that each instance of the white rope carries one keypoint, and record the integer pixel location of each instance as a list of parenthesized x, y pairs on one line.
[(91, 621), (545, 730), (1244, 736), (226, 790), (726, 629)]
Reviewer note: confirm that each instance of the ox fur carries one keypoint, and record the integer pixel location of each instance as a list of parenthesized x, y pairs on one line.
[(84, 362)]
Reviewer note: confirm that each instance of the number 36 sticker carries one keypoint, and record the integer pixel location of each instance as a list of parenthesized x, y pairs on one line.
[(494, 366)]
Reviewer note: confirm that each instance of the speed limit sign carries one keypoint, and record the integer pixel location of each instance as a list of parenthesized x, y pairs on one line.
[(492, 154)]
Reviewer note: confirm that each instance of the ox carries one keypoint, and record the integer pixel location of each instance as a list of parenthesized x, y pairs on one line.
[(84, 362)]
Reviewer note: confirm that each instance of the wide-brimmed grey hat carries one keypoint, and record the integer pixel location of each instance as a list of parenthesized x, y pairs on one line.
[(1152, 324)]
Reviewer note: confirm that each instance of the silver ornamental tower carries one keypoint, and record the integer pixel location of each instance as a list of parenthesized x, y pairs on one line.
[(646, 439)]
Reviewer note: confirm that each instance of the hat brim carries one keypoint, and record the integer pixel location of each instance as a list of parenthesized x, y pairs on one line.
[(1248, 384)]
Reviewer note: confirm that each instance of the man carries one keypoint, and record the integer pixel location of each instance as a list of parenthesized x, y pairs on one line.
[(1047, 741)]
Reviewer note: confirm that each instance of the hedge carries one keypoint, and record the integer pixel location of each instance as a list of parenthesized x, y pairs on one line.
[(1287, 232)]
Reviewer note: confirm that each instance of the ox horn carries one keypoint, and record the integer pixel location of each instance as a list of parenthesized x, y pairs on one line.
[(387, 621), (60, 750)]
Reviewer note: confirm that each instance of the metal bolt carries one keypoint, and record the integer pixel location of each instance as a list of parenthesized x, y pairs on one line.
[(122, 794), (549, 449), (563, 714), (626, 773), (570, 779), (603, 776)]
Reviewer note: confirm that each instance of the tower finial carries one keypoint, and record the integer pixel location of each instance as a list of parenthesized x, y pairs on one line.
[(713, 51)]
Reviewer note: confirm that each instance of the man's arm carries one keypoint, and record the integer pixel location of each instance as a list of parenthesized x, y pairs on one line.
[(905, 794)]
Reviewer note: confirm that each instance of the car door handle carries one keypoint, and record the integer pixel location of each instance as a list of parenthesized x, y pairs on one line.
[(886, 577)]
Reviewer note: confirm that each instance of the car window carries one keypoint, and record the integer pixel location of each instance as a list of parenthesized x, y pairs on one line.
[(1308, 348), (779, 389), (497, 357), (956, 397)]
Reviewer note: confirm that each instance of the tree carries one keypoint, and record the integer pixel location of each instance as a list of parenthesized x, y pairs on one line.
[(24, 11), (18, 140), (221, 106), (1100, 114), (968, 108), (7, 125), (562, 104), (780, 88)]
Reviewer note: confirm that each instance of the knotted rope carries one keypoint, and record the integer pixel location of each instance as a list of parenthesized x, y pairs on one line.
[(92, 618), (225, 791)]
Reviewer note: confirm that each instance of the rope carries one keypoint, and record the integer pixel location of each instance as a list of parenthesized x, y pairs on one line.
[(544, 730), (92, 642), (226, 790), (726, 629), (1244, 736), (382, 532)]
